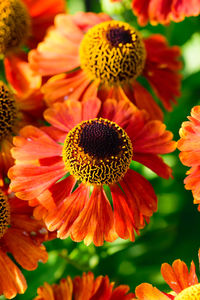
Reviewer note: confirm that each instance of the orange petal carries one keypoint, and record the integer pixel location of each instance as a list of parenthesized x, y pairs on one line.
[(65, 87), (11, 279), (161, 69), (177, 276), (29, 181), (143, 100), (146, 291), (64, 116), (95, 220), (33, 144), (24, 249), (67, 211)]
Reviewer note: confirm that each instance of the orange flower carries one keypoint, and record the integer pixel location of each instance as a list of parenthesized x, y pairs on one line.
[(164, 11), (23, 19), (75, 168), (183, 282), (189, 144), (18, 108), (85, 287), (92, 55), (20, 236)]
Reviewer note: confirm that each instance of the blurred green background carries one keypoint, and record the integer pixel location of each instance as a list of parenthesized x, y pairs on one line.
[(174, 231)]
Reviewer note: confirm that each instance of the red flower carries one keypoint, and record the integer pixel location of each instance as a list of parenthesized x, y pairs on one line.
[(164, 11), (183, 282), (73, 184), (20, 107), (92, 55), (20, 236), (85, 287), (189, 144)]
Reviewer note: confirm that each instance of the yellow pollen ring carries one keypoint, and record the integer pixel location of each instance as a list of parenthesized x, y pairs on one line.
[(8, 111), (90, 168), (4, 213), (112, 52), (14, 24), (190, 293)]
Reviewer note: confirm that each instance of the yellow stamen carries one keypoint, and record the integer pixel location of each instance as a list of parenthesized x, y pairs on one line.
[(8, 111), (190, 293), (97, 151), (14, 24), (112, 52), (4, 213)]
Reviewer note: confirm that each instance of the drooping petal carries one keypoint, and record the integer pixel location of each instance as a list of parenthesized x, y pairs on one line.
[(144, 100), (161, 69), (11, 279), (95, 220), (67, 211), (24, 250), (136, 186), (67, 86)]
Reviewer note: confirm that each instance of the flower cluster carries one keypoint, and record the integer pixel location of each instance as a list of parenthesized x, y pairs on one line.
[(81, 115)]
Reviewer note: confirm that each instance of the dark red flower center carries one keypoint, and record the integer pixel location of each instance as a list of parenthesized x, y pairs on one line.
[(100, 140), (118, 36)]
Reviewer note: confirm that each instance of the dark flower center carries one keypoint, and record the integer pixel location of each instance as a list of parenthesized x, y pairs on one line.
[(97, 151), (118, 36), (100, 140)]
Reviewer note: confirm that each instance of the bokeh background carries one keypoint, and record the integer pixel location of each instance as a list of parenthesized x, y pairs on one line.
[(174, 230)]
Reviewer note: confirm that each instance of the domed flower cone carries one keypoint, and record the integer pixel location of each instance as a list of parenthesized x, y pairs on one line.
[(25, 22), (77, 171), (89, 55)]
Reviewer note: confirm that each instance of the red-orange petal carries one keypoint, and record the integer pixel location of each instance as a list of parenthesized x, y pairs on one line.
[(144, 100), (67, 211), (161, 69), (95, 221), (11, 279), (25, 251), (146, 291), (177, 276)]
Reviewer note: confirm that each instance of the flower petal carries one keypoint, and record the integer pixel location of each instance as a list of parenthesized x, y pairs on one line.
[(11, 279), (95, 220)]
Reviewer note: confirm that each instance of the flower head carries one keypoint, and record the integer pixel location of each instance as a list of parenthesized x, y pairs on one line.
[(183, 282), (83, 185), (91, 55), (112, 52), (15, 24), (21, 236), (86, 287), (189, 144), (164, 11), (20, 20)]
